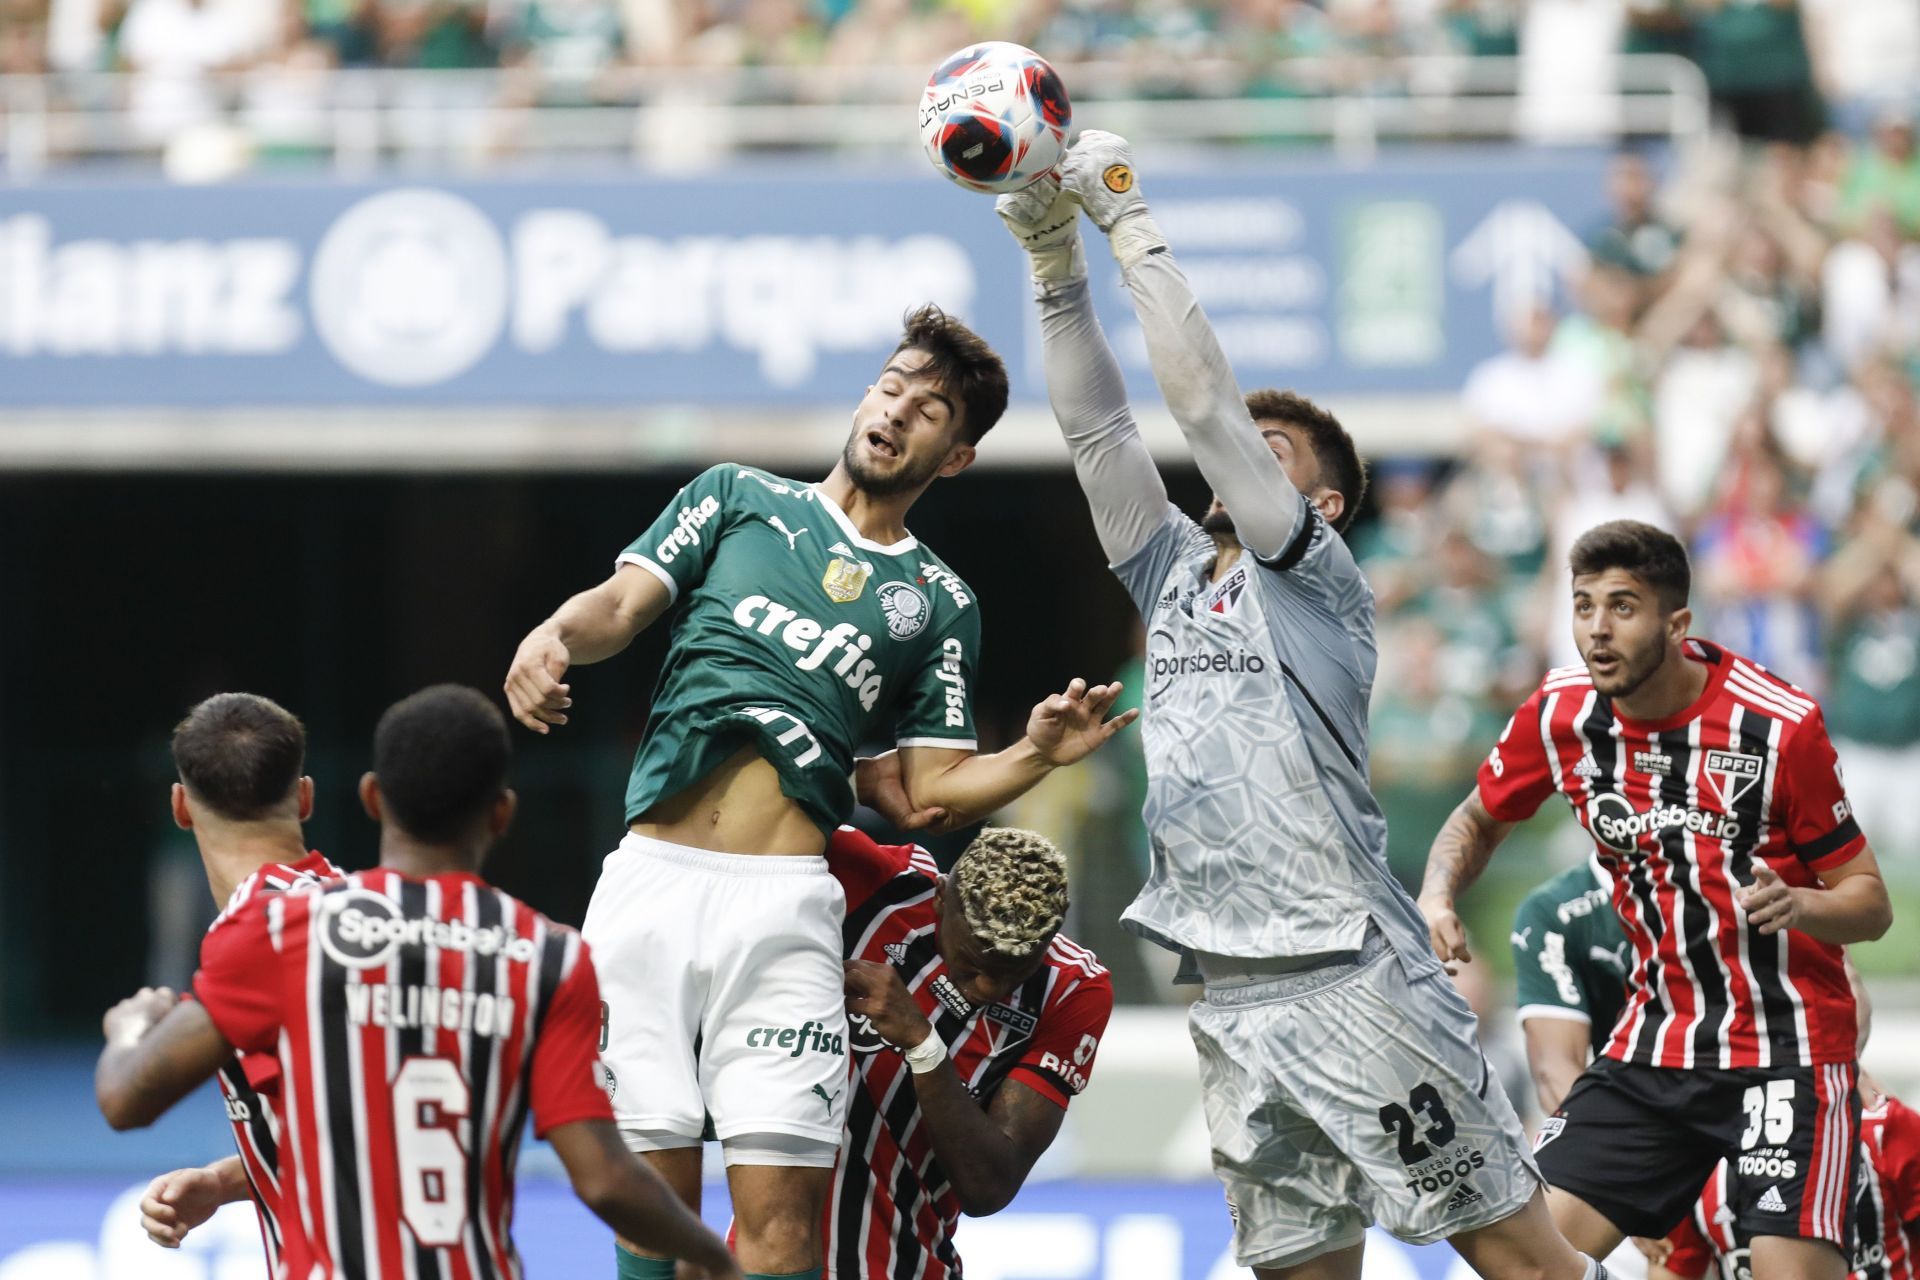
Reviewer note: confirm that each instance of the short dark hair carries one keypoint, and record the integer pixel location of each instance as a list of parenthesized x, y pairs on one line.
[(441, 757), (1652, 555), (1340, 466), (966, 366), (240, 754)]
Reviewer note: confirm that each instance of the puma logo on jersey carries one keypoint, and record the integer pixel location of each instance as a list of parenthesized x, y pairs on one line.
[(825, 1096), (790, 534)]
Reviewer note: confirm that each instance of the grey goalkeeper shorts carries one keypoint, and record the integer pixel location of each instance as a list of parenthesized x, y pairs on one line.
[(1341, 1096)]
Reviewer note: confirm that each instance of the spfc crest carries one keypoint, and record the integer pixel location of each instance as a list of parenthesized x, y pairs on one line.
[(1224, 597), (1731, 773), (845, 578)]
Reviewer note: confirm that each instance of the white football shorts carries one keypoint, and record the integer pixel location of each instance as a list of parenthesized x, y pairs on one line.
[(725, 1015)]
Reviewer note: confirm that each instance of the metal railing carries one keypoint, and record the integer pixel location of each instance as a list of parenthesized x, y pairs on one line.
[(359, 121)]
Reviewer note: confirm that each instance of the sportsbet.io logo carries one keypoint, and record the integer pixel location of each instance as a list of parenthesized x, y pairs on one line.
[(356, 928), (361, 929), (1619, 826)]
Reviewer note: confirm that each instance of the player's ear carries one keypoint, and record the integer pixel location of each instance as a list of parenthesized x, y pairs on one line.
[(1679, 622), (182, 815), (303, 791), (370, 795), (501, 815), (1331, 504), (959, 458)]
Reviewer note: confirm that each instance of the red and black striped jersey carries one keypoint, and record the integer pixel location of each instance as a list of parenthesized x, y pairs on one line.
[(415, 1023), (250, 1083), (892, 1211), (1681, 812), (1886, 1208)]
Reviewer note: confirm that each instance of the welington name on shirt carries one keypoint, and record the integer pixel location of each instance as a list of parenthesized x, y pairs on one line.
[(427, 1007)]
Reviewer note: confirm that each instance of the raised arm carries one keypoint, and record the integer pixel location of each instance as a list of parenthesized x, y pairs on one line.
[(1199, 387), (1084, 384)]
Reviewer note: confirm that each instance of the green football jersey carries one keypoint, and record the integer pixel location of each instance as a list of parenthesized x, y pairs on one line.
[(1570, 958), (795, 635)]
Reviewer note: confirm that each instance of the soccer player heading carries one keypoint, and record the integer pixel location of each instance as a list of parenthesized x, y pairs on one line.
[(974, 1024), (1716, 808), (417, 1014), (1269, 872), (806, 619), (242, 794)]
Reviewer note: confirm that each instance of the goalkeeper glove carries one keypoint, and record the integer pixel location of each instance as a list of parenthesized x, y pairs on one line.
[(1099, 170), (1045, 219)]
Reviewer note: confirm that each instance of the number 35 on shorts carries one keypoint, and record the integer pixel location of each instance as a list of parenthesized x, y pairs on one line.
[(1769, 1111)]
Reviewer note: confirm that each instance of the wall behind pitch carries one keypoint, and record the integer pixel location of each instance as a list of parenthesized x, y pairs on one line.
[(762, 285)]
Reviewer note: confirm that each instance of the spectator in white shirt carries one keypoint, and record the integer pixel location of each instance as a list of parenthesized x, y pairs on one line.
[(1538, 398)]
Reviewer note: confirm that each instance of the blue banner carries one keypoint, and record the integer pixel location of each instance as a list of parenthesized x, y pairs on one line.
[(90, 1230), (762, 286)]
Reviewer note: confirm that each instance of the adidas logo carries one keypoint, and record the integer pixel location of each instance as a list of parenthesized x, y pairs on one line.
[(1770, 1201), (896, 952), (1463, 1196), (1586, 768)]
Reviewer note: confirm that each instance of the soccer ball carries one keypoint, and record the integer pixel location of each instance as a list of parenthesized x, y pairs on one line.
[(995, 117)]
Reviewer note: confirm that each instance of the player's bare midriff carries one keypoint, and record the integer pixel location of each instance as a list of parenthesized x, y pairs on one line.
[(738, 808)]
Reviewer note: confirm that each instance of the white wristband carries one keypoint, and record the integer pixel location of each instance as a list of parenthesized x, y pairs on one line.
[(926, 1055)]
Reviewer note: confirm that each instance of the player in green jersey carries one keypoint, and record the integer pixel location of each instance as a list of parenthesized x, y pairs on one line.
[(806, 619), (1570, 964)]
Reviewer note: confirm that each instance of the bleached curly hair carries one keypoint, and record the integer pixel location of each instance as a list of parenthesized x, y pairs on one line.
[(1012, 889)]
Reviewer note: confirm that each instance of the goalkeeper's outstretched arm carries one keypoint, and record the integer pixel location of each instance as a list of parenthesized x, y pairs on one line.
[(1123, 487), (1199, 387)]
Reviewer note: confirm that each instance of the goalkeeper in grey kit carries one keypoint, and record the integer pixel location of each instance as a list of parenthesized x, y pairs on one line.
[(1342, 1078)]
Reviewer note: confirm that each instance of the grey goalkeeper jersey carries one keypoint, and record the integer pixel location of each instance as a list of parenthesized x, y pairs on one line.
[(1266, 839), (1266, 842)]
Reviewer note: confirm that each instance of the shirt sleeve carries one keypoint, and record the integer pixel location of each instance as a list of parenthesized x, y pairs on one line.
[(1821, 831), (678, 546), (563, 1086), (1899, 1166), (1516, 777), (861, 864), (237, 982), (1059, 1062), (937, 707), (1144, 573), (1545, 985), (1201, 393), (1089, 399), (1692, 1255)]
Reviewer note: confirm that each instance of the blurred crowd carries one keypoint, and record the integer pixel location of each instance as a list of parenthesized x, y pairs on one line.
[(1737, 364), (1777, 68)]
